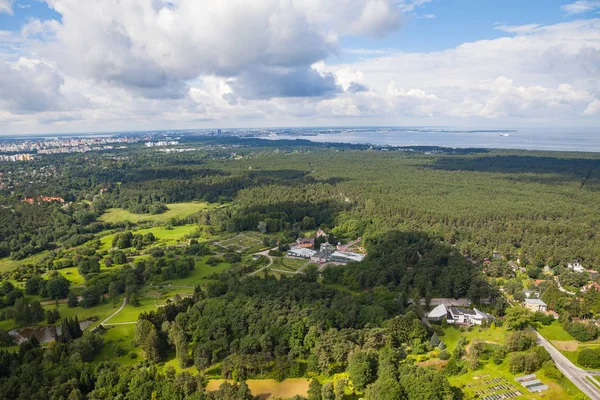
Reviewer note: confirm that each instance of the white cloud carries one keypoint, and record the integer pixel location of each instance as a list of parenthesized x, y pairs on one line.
[(519, 29), (149, 64), (581, 6), (410, 5), (6, 6), (593, 108), (154, 48)]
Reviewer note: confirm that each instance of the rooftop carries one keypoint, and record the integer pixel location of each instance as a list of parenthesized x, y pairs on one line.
[(535, 301)]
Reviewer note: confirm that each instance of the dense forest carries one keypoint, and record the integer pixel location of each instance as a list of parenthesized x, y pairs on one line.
[(427, 217), (536, 206)]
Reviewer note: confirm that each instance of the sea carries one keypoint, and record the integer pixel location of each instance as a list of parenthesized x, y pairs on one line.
[(553, 140)]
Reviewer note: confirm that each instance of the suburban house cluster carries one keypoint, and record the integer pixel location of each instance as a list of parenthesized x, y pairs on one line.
[(305, 248)]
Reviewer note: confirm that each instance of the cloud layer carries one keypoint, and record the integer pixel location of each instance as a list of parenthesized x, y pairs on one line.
[(144, 64)]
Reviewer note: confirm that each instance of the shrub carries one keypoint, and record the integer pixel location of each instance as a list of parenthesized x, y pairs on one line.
[(589, 358)]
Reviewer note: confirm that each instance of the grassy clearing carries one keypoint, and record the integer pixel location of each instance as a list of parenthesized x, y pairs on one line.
[(130, 313), (554, 331), (176, 210), (490, 335), (168, 236), (73, 275), (100, 311), (200, 274), (562, 389), (119, 336), (269, 387), (7, 264), (293, 264)]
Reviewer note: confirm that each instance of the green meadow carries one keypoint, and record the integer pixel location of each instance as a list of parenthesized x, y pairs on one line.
[(176, 210)]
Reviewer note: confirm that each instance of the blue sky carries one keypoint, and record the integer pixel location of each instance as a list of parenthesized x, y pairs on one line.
[(71, 65)]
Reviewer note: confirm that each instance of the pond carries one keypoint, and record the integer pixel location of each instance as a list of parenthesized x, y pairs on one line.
[(44, 334)]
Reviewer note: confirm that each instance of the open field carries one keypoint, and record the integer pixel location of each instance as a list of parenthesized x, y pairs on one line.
[(176, 210), (130, 313), (489, 335), (118, 336), (566, 343), (554, 331), (7, 264), (167, 236), (269, 387), (100, 311), (73, 275), (293, 263), (198, 275), (562, 389)]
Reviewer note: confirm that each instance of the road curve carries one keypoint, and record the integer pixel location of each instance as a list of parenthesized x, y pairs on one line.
[(578, 376), (116, 312), (266, 254)]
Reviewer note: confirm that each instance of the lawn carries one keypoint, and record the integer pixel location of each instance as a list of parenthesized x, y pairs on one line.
[(7, 264), (489, 335), (100, 311), (199, 275), (293, 264), (176, 210), (167, 236), (130, 313), (73, 275), (120, 336), (554, 331)]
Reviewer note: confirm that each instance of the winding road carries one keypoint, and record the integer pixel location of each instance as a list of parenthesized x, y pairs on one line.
[(578, 376), (115, 313), (266, 254)]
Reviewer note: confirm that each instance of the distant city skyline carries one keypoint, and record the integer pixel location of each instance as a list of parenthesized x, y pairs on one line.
[(70, 66)]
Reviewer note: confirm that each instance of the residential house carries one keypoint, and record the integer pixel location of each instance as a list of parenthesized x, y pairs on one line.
[(307, 243), (590, 286), (459, 315), (438, 313), (467, 316), (535, 305), (301, 252), (531, 294), (576, 266)]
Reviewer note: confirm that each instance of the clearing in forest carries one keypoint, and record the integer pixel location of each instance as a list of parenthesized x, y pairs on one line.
[(175, 210)]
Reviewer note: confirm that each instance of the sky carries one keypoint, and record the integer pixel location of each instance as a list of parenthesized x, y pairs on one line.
[(112, 65)]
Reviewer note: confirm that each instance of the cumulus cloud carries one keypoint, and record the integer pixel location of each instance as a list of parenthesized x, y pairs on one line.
[(6, 6), (29, 86), (151, 64), (544, 72), (581, 6), (155, 47), (593, 108)]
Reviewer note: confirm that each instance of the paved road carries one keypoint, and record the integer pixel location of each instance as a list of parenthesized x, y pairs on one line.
[(562, 289), (578, 376), (116, 312), (266, 254)]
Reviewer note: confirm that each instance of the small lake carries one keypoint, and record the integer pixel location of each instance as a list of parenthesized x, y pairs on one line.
[(266, 388), (43, 334)]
